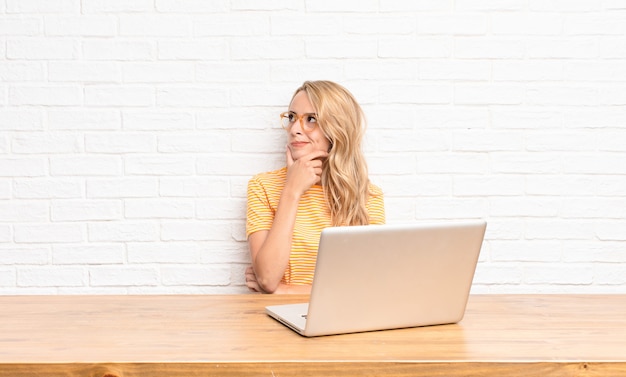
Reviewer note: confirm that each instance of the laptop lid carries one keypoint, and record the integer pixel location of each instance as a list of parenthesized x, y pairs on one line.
[(390, 276)]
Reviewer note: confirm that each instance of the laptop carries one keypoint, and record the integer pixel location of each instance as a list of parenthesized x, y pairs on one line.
[(379, 277)]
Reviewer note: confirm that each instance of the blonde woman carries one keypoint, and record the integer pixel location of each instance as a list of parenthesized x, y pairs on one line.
[(325, 183)]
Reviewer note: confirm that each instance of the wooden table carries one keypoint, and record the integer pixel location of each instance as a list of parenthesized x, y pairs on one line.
[(230, 335)]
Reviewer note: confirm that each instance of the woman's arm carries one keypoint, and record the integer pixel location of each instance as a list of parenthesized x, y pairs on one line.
[(270, 249), (283, 288)]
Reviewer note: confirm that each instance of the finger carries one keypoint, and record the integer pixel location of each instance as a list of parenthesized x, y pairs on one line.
[(316, 155), (289, 157), (253, 286)]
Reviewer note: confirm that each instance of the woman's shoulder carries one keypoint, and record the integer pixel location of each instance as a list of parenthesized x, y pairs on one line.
[(374, 190), (271, 177)]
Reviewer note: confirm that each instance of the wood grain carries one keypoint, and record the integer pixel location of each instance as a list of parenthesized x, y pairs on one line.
[(546, 335)]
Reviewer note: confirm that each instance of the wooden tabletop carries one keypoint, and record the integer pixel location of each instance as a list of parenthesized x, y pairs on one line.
[(514, 335)]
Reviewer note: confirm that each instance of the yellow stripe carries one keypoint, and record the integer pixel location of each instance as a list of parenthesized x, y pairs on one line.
[(313, 215)]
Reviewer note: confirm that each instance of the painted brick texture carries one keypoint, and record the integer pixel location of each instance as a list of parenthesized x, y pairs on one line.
[(129, 129)]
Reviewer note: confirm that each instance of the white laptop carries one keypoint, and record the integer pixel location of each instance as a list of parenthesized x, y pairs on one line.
[(380, 277)]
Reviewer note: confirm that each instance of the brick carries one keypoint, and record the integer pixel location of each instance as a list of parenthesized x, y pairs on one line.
[(49, 233), (122, 187), (612, 48), (180, 165), (194, 187), (598, 117), (84, 119), (341, 6), (488, 48), (558, 274), (120, 143), (190, 6), (46, 143), (122, 231), (200, 50), (37, 48), (191, 97), (413, 6), (47, 188), (166, 253), (22, 167), (118, 50), (51, 276), (6, 234), (563, 48), (265, 5), (232, 72), (559, 141), (517, 24), (456, 24), (21, 120), (80, 26), (193, 275), (339, 48), (105, 276), (222, 208), (233, 25), (42, 6), (157, 120), (417, 94), (195, 231), (5, 188), (521, 70), (24, 255), (526, 163), (488, 186), (8, 277), (88, 254), (45, 95), (127, 96), (85, 166), (211, 142), (23, 211), (149, 25), (404, 48), (467, 70), (451, 208), (20, 26), (84, 71), (22, 71), (159, 209), (610, 230), (86, 210), (155, 72), (564, 5), (117, 6), (490, 5)]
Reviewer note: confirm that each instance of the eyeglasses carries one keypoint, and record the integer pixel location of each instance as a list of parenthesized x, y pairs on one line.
[(308, 121)]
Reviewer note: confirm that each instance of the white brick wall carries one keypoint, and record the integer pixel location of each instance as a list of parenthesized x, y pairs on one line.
[(128, 131)]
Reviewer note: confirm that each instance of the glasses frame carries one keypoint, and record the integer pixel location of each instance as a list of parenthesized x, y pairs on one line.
[(304, 127)]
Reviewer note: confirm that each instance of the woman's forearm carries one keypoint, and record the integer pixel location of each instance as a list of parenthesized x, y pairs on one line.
[(272, 255)]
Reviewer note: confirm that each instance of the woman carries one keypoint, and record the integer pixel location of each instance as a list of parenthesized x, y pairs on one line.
[(325, 183)]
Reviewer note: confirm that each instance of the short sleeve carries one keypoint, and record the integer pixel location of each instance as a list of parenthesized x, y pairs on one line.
[(376, 206), (259, 214)]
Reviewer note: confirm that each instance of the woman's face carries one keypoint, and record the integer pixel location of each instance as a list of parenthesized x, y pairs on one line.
[(300, 142)]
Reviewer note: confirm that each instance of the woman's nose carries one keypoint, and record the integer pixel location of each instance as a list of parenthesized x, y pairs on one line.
[(297, 127)]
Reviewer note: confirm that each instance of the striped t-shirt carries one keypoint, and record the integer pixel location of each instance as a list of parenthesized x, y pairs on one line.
[(313, 215)]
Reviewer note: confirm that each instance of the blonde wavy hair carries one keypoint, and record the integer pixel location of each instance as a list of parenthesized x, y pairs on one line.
[(344, 173)]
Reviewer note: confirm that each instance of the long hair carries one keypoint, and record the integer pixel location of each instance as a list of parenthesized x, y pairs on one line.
[(344, 173)]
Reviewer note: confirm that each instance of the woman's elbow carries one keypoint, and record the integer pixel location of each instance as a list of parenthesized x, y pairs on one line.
[(268, 286)]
